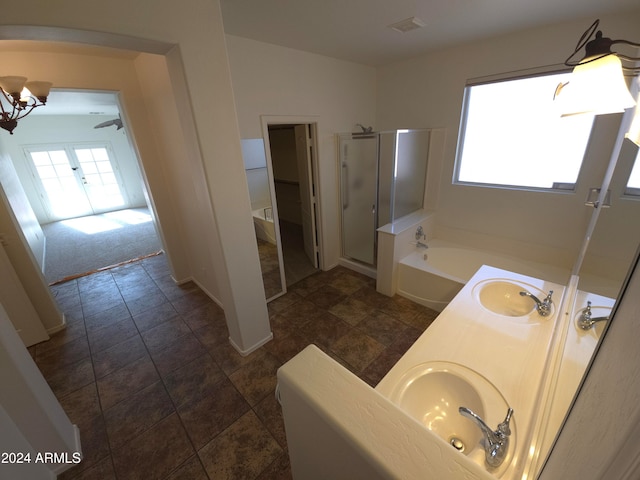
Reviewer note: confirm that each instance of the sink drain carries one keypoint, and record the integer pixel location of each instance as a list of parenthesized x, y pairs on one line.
[(457, 444)]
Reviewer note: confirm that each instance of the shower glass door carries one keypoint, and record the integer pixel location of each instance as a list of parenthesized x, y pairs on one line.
[(359, 180)]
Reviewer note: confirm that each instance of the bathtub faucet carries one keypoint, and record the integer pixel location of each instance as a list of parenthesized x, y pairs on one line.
[(586, 321), (420, 236), (496, 445), (543, 307)]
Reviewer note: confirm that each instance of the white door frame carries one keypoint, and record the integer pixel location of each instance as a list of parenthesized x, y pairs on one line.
[(312, 121), (305, 161)]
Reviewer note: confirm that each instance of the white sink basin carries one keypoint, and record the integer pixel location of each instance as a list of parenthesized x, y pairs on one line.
[(503, 297), (433, 392)]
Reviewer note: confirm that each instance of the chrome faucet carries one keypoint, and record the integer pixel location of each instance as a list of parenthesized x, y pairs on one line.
[(543, 307), (586, 321), (420, 236), (496, 445)]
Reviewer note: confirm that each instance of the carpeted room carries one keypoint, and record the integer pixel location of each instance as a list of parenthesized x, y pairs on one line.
[(84, 245)]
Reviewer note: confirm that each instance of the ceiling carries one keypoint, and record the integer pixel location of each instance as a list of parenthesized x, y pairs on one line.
[(353, 30), (357, 30), (71, 102)]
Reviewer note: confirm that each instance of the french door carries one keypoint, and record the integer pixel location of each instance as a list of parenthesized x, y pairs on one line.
[(77, 180)]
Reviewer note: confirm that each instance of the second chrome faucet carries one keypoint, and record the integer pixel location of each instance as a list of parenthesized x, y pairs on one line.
[(586, 320)]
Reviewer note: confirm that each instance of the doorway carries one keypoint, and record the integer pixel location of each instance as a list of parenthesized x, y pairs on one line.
[(292, 150), (80, 175)]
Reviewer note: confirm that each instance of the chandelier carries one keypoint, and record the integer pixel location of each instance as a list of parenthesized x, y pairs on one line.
[(19, 98)]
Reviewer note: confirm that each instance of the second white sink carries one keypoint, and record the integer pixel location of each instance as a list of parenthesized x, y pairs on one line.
[(503, 297)]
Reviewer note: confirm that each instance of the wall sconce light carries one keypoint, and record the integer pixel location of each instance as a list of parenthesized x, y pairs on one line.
[(597, 84), (22, 97)]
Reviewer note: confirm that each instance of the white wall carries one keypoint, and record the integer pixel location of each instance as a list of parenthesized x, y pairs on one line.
[(30, 416), (193, 41), (62, 130), (428, 91), (272, 80), (22, 210), (19, 227)]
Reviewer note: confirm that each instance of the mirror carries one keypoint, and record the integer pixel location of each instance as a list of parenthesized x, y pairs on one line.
[(260, 181), (615, 238), (291, 158), (610, 247)]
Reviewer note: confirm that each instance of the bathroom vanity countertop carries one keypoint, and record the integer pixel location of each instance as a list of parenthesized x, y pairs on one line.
[(339, 427), (510, 352)]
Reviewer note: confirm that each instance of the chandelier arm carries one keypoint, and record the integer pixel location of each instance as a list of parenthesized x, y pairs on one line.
[(23, 112)]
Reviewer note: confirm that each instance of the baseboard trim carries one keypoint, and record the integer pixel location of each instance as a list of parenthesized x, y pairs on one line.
[(77, 448), (200, 286), (252, 349), (243, 352), (58, 328), (358, 267)]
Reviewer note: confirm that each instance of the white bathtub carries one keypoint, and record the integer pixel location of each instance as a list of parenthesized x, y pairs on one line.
[(263, 224), (432, 277)]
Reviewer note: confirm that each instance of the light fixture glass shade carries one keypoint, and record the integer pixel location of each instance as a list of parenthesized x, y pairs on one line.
[(39, 89), (12, 84), (596, 87)]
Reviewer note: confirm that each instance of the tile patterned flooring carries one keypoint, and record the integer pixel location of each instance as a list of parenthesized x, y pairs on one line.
[(146, 371)]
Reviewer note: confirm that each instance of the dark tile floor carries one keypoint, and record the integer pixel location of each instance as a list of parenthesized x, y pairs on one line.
[(146, 371)]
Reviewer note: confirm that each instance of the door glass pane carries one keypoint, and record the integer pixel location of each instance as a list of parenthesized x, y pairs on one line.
[(65, 197), (46, 171), (100, 182), (40, 158), (104, 167), (359, 173), (84, 155), (59, 157)]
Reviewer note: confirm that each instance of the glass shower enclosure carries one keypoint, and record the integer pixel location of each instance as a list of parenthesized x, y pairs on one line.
[(382, 178)]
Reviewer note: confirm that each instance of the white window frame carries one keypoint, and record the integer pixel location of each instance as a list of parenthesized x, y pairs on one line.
[(556, 186)]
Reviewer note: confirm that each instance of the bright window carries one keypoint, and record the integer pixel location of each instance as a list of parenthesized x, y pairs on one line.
[(512, 135), (633, 185)]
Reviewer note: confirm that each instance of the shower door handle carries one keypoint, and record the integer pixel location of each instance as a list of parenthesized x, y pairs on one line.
[(345, 187)]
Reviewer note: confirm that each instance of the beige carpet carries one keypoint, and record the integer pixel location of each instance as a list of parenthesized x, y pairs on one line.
[(86, 244)]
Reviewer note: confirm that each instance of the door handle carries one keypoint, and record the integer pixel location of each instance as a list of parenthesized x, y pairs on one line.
[(345, 188)]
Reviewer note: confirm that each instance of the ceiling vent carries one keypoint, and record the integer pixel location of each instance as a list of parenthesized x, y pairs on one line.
[(407, 25)]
